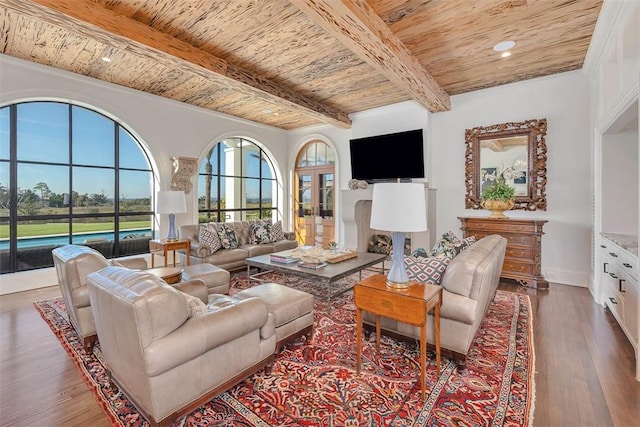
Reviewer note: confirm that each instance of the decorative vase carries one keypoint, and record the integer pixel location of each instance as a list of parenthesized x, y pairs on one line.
[(497, 207)]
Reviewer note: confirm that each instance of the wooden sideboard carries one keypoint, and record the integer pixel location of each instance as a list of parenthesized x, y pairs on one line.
[(523, 258)]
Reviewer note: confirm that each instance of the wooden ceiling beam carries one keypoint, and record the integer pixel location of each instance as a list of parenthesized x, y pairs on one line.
[(96, 22), (361, 30)]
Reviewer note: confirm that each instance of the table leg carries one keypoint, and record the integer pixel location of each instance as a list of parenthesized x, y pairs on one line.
[(378, 333), (437, 320), (165, 252), (423, 359), (358, 339)]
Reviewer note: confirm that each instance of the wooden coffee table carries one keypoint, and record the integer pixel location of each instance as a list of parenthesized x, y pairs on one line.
[(404, 305), (171, 275)]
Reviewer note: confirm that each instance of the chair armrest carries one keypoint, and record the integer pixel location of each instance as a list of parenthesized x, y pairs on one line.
[(201, 334), (135, 263), (290, 235), (194, 287)]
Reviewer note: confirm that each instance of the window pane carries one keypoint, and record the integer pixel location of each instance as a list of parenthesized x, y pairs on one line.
[(135, 191), (231, 195), (4, 133), (43, 132), (38, 197), (251, 160), (131, 154), (97, 233), (267, 193), (134, 236), (230, 159), (251, 215), (93, 190), (4, 189), (210, 162), (93, 138), (267, 171), (251, 193), (330, 156), (321, 151), (207, 192), (36, 240), (311, 155)]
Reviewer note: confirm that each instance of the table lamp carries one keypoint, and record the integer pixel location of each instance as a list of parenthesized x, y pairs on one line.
[(171, 202), (399, 208)]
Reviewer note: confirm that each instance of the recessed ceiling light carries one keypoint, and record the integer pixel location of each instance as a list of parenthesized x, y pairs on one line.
[(106, 59), (505, 54), (499, 47)]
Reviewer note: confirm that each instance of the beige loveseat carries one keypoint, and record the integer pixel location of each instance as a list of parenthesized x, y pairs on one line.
[(232, 259), (73, 264), (470, 282), (165, 355)]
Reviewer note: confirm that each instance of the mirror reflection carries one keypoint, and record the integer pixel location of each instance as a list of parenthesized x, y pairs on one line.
[(506, 156)]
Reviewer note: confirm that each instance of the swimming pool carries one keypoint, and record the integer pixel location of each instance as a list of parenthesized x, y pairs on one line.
[(33, 242)]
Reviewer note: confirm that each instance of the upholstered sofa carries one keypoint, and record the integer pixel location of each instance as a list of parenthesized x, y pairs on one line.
[(167, 357), (232, 259), (73, 263), (470, 282)]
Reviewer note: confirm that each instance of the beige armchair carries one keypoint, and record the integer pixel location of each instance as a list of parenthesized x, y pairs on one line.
[(167, 357), (73, 264)]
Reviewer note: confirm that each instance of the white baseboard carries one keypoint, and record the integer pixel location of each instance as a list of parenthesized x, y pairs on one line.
[(565, 277)]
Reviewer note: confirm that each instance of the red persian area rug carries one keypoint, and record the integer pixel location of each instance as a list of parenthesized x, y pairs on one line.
[(314, 384)]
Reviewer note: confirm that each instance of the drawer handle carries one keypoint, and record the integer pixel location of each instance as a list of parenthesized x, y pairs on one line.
[(612, 300), (604, 267), (613, 254), (613, 275), (626, 264), (603, 246), (620, 285)]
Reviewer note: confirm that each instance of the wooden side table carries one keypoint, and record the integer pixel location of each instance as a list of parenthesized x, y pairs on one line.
[(171, 275), (404, 305), (166, 246)]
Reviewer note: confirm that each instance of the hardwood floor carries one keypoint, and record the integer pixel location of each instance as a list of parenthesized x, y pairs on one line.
[(584, 365)]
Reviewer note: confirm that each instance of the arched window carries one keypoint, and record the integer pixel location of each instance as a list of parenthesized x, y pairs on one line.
[(69, 174), (237, 182)]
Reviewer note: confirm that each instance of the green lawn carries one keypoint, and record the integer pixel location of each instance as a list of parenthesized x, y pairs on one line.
[(30, 230)]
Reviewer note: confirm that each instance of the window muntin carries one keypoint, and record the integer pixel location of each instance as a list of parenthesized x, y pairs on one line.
[(69, 188), (245, 186)]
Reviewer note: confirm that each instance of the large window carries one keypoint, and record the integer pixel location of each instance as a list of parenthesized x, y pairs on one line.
[(236, 182), (69, 175)]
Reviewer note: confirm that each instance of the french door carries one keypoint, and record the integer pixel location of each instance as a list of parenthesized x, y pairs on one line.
[(314, 203)]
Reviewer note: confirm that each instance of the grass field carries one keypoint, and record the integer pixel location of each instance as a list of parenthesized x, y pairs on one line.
[(48, 229)]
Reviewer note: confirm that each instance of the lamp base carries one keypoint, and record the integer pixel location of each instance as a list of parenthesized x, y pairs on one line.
[(399, 286), (397, 277), (172, 236)]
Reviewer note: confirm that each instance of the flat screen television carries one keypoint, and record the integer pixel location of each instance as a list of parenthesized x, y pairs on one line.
[(388, 157)]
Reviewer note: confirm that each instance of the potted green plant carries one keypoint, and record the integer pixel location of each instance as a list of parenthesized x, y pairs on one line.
[(498, 197)]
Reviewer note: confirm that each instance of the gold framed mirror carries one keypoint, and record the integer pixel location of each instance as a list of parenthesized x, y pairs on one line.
[(518, 151)]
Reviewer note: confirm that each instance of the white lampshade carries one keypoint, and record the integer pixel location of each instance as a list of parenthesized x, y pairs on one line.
[(399, 207), (171, 202)]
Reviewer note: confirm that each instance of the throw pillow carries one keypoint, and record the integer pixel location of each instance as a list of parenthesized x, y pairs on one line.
[(426, 270), (209, 238), (196, 306), (277, 233), (449, 245), (227, 236), (260, 233), (420, 253)]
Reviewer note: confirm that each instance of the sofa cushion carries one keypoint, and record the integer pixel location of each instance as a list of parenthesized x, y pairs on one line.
[(209, 238), (227, 236), (426, 270), (277, 232), (260, 233)]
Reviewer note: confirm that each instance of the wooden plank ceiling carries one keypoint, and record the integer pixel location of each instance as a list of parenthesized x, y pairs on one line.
[(295, 63)]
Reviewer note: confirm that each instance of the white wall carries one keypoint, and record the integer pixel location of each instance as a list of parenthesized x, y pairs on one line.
[(563, 99), (166, 128)]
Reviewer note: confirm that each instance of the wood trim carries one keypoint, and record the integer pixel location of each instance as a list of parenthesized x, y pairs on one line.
[(361, 30), (106, 26)]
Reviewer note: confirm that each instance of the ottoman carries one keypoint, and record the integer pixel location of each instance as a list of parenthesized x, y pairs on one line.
[(216, 278), (291, 308)]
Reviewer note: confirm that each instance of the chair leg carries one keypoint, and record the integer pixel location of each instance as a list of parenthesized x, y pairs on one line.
[(89, 342)]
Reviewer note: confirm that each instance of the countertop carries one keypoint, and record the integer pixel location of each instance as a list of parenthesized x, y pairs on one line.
[(629, 242)]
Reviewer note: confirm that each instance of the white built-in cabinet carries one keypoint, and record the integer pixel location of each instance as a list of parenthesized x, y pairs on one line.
[(614, 70)]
